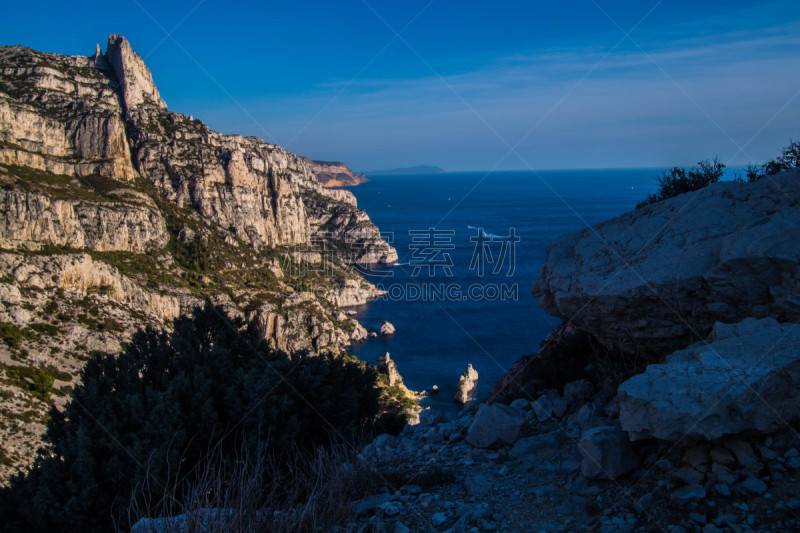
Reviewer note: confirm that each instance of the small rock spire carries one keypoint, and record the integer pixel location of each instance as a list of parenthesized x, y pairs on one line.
[(467, 386)]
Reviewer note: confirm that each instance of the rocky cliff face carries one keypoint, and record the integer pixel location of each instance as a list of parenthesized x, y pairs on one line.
[(62, 115), (124, 220), (116, 213), (103, 115), (334, 174), (134, 80)]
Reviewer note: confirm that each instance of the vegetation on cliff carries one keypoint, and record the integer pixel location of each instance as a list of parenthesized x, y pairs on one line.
[(789, 158), (157, 412), (679, 180)]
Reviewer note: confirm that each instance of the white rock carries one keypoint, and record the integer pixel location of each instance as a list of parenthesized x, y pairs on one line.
[(387, 329), (467, 386)]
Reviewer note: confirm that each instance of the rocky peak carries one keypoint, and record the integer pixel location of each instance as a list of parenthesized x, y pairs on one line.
[(135, 80)]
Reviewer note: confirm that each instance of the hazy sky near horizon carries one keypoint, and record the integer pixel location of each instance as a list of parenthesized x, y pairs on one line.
[(463, 85)]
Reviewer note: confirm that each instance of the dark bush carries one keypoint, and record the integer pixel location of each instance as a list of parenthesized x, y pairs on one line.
[(37, 381), (194, 256), (789, 158), (10, 334), (678, 180), (150, 414)]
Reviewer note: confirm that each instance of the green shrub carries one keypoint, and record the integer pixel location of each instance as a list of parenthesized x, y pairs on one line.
[(397, 400), (149, 416), (47, 329), (4, 459), (10, 334), (193, 256), (60, 375), (678, 180), (50, 308), (37, 381)]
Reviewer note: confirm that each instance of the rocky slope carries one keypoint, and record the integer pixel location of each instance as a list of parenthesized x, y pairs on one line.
[(116, 213), (561, 464), (705, 440)]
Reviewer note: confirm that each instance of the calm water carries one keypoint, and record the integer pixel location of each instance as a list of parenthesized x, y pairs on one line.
[(446, 313)]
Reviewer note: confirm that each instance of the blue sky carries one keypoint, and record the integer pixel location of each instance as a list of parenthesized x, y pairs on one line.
[(465, 85)]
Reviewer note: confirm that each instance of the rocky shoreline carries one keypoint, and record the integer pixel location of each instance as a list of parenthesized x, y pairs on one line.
[(667, 401)]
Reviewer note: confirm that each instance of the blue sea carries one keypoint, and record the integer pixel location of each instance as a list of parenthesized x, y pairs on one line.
[(470, 245)]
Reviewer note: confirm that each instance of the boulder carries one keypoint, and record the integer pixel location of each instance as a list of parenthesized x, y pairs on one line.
[(688, 493), (370, 503), (359, 333), (745, 455), (496, 425), (548, 405), (658, 276), (586, 417), (430, 417), (745, 377), (477, 486), (467, 386), (387, 329), (752, 485), (520, 404), (607, 453), (532, 445)]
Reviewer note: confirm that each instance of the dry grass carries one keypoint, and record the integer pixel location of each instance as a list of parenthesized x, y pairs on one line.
[(297, 493)]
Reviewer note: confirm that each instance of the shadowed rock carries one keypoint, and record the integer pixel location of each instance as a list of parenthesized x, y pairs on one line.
[(658, 278), (745, 377), (496, 425), (607, 453)]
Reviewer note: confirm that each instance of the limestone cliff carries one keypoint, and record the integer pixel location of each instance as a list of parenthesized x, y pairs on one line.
[(102, 115), (121, 220), (334, 174), (62, 115), (116, 213)]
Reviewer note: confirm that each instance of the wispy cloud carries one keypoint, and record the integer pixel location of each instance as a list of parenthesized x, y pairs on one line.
[(626, 113)]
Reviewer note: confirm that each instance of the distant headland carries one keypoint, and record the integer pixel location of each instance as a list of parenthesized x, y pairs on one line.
[(419, 169)]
